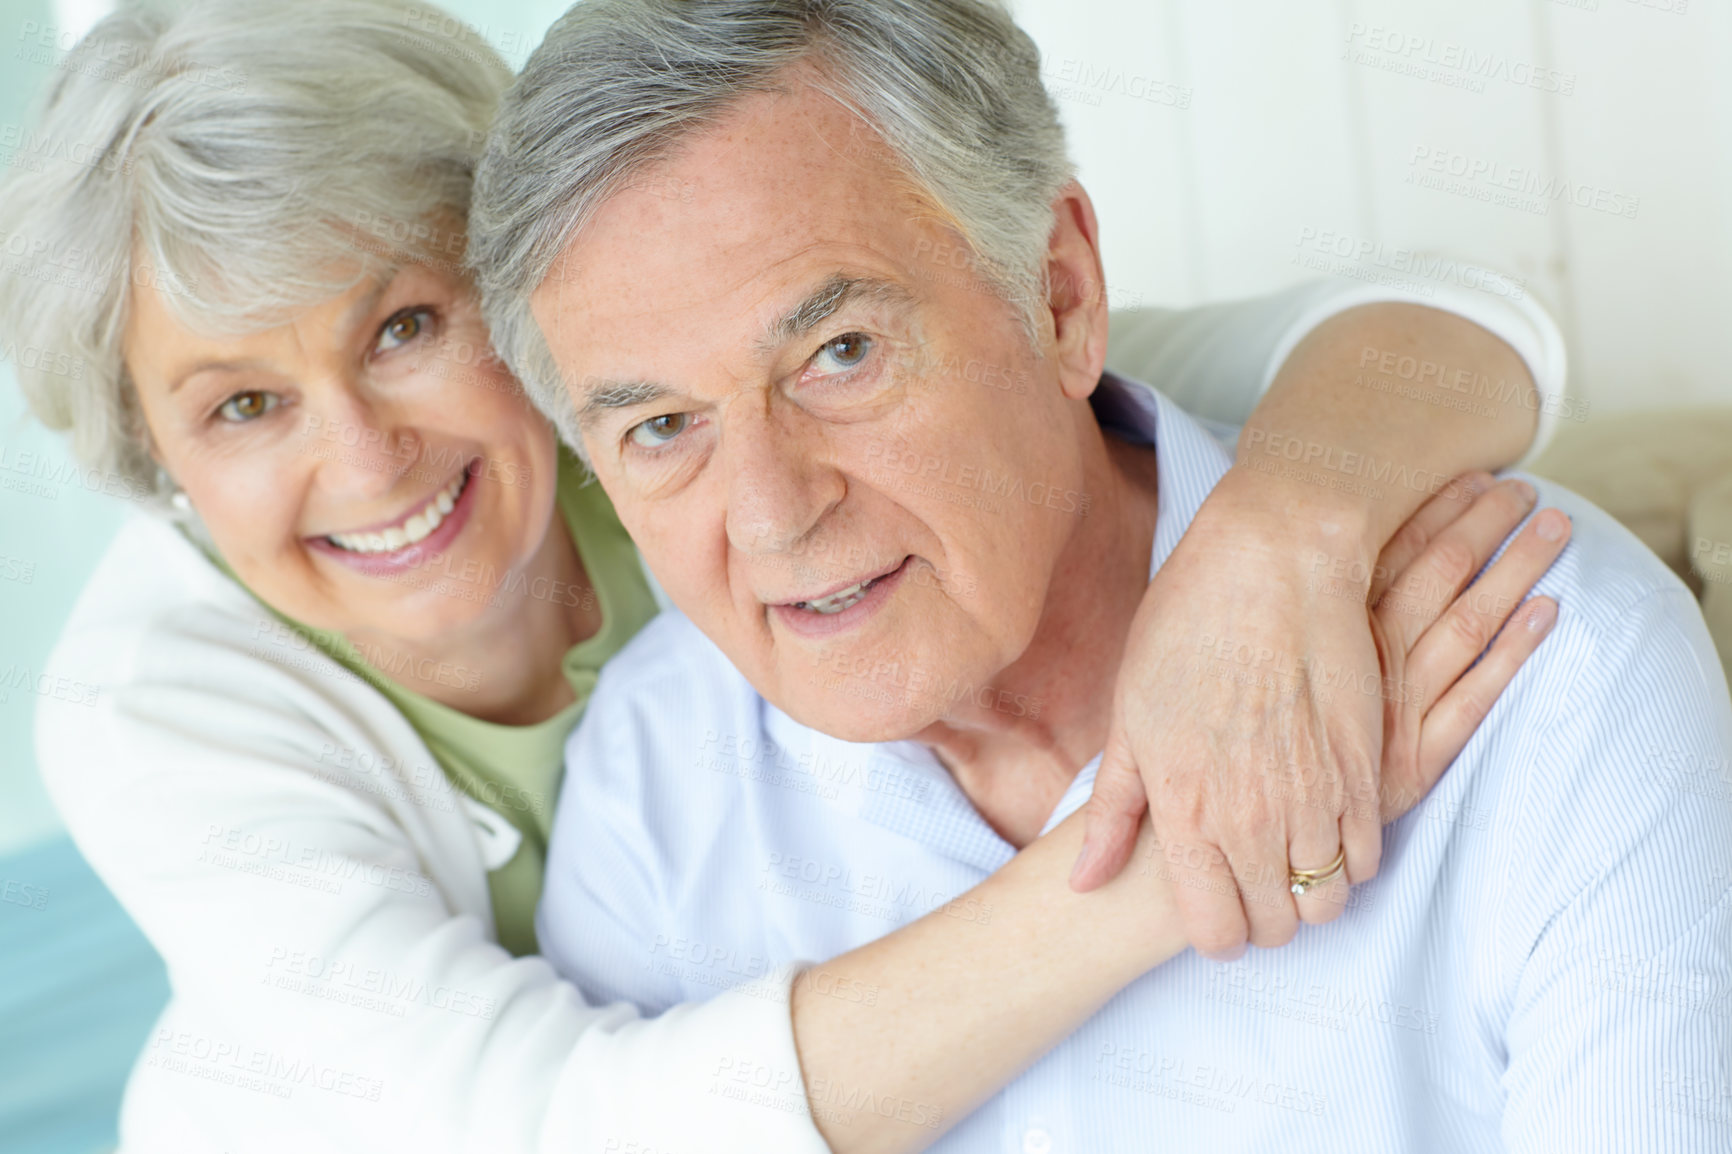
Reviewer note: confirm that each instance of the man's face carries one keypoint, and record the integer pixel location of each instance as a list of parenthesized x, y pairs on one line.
[(837, 450)]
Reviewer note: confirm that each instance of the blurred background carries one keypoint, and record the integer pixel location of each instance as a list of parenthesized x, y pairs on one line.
[(1582, 148)]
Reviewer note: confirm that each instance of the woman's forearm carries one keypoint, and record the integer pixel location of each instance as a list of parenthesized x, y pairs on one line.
[(1380, 406), (930, 1021)]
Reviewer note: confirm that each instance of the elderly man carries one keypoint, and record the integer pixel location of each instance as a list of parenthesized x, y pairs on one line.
[(768, 371)]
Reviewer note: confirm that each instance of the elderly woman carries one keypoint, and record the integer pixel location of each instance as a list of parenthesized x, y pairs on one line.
[(338, 664)]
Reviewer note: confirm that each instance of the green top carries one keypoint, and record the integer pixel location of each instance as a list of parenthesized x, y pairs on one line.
[(515, 769)]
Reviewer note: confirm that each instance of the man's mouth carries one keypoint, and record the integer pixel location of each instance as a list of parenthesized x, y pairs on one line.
[(410, 529), (841, 599), (838, 611)]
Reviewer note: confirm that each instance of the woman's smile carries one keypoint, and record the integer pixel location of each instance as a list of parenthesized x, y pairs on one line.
[(406, 542)]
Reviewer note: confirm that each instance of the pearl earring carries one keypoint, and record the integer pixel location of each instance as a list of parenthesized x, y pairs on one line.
[(181, 502)]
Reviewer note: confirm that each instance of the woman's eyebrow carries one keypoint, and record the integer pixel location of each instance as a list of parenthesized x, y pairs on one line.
[(352, 318), (361, 309), (239, 366)]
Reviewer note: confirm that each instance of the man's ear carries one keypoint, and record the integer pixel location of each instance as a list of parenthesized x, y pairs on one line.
[(1076, 292)]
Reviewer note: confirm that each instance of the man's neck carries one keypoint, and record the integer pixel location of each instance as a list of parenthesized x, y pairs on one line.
[(1016, 749)]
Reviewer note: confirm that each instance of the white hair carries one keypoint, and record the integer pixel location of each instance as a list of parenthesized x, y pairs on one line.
[(952, 86), (247, 159)]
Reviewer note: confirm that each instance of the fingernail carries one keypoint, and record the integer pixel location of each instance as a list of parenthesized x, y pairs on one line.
[(1082, 861), (1526, 490), (1550, 525), (1541, 617)]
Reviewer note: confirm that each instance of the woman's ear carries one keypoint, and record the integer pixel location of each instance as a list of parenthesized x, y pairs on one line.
[(132, 412), (1076, 292), (138, 429)]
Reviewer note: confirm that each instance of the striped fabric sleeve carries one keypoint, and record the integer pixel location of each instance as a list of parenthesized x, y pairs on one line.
[(1618, 930)]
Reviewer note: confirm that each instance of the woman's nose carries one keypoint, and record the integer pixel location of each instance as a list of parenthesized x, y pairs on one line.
[(359, 451)]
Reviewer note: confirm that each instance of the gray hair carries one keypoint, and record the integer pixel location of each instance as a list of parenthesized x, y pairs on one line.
[(247, 160), (952, 86)]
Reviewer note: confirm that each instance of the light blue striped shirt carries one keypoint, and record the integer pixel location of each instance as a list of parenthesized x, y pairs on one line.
[(1544, 962)]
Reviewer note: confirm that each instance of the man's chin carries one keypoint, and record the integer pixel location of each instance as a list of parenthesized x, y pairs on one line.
[(862, 713)]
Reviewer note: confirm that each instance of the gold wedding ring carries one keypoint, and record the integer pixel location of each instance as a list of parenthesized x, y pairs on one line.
[(1304, 880)]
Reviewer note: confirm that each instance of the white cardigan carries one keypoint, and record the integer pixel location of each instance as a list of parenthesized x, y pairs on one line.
[(286, 842), (319, 893)]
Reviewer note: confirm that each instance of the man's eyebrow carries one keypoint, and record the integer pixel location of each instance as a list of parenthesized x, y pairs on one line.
[(825, 301), (604, 396)]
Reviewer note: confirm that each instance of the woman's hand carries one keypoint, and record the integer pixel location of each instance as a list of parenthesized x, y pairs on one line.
[(1259, 697)]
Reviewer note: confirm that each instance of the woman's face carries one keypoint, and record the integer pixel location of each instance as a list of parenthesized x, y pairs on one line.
[(368, 467)]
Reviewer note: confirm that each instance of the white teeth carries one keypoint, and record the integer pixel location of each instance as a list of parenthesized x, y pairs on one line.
[(415, 528), (838, 601)]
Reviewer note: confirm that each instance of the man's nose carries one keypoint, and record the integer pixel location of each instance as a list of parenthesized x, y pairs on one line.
[(362, 450), (780, 485)]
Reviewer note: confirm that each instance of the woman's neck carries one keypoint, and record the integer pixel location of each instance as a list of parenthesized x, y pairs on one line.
[(508, 662)]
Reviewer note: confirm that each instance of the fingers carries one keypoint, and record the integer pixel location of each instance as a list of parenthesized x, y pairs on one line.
[(1315, 843), (1452, 681), (1431, 519), (1207, 895), (1418, 594), (1256, 871), (1399, 785), (1114, 811), (1361, 832), (1457, 714), (1456, 640)]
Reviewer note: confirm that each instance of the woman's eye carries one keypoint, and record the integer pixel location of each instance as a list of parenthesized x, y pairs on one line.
[(843, 353), (403, 328), (248, 406), (658, 431)]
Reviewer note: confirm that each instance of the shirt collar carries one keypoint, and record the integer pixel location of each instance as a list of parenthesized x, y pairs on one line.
[(1188, 463)]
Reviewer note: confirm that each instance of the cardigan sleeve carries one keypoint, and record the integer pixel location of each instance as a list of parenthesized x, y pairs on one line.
[(1218, 360)]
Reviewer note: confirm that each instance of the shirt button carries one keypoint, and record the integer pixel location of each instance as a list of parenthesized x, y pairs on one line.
[(1036, 1141)]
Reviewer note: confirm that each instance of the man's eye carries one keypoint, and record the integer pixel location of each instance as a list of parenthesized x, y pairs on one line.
[(248, 406), (843, 353), (658, 431), (403, 328)]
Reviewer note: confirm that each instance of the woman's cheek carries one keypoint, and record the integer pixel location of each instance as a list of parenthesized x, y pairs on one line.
[(250, 498)]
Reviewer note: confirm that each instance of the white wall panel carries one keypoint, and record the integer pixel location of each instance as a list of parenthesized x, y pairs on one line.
[(1449, 109), (1128, 101), (1276, 155), (1585, 148), (1652, 304)]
